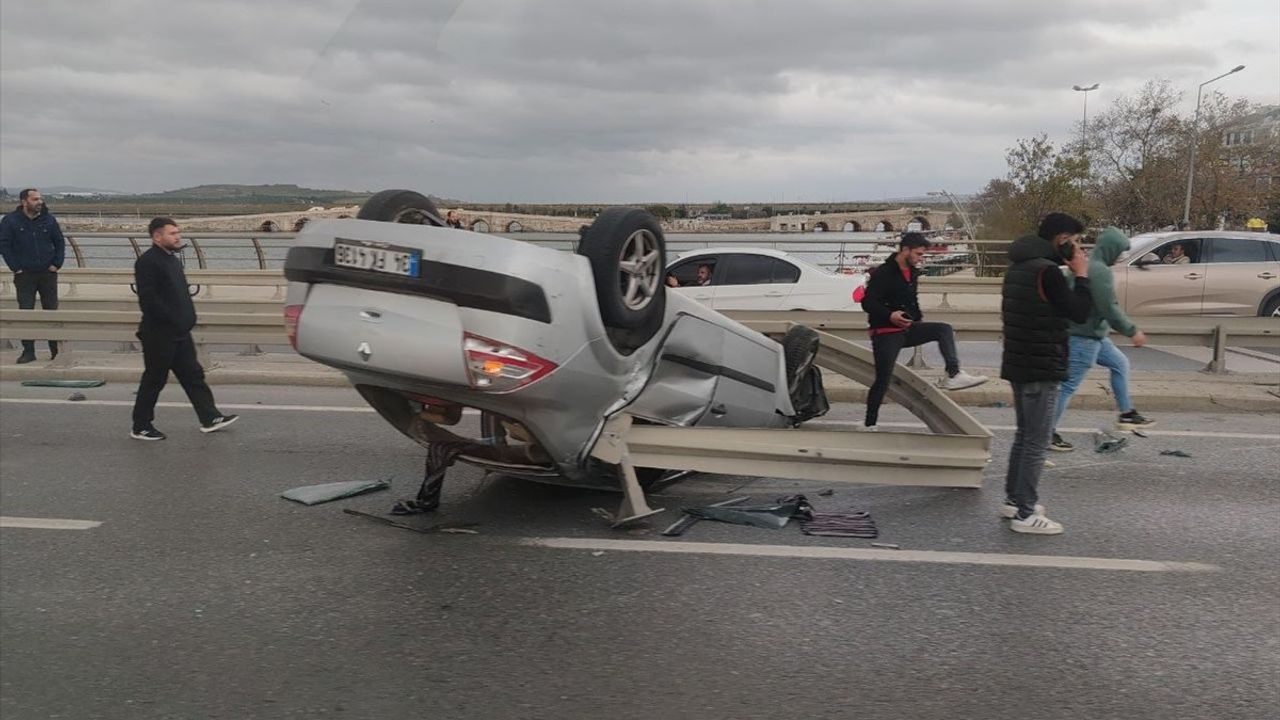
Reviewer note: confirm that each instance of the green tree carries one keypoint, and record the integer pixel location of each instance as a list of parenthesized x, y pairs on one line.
[(1040, 180), (662, 212)]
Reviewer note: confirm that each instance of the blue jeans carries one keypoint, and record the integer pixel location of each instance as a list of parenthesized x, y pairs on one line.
[(1033, 404), (1084, 353)]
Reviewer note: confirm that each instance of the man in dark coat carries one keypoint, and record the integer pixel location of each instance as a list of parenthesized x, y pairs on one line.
[(165, 331), (34, 249), (893, 313), (1037, 304)]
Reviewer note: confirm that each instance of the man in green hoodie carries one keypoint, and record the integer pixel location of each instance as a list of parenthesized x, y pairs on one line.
[(1089, 343)]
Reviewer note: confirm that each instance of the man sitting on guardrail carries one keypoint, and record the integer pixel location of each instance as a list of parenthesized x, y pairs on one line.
[(1089, 343), (891, 300), (168, 315), (34, 249)]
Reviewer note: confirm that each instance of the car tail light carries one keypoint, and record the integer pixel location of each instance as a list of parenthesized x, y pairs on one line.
[(292, 314), (498, 367)]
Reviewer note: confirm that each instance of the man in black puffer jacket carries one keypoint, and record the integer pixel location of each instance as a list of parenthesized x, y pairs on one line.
[(893, 313), (168, 315), (1036, 304)]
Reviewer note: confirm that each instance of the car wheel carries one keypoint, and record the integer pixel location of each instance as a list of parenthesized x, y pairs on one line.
[(628, 259), (401, 206), (799, 349), (1272, 308)]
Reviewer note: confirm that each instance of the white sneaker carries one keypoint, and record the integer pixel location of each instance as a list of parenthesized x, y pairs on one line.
[(1036, 525), (961, 381), (866, 428), (1009, 511)]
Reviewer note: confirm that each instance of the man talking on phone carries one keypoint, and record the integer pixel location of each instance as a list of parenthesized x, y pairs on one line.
[(1036, 306)]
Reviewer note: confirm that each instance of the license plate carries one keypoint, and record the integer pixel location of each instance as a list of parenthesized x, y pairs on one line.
[(378, 258)]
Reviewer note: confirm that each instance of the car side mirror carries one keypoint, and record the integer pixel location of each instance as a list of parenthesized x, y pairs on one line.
[(1148, 259)]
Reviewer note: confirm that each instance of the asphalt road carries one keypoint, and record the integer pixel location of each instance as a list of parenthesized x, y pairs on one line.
[(204, 595)]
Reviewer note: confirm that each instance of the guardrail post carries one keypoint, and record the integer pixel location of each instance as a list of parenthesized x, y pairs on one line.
[(66, 355), (79, 256), (1218, 364), (202, 356), (944, 305), (917, 359), (252, 350)]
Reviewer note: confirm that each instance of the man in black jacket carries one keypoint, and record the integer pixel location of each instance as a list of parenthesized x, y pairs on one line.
[(165, 331), (1036, 304), (893, 312), (33, 247)]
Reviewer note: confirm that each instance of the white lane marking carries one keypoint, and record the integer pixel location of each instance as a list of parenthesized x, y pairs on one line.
[(46, 523), (227, 406), (1082, 430), (470, 411), (841, 553)]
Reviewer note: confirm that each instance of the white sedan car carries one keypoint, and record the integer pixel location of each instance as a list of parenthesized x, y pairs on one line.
[(736, 278)]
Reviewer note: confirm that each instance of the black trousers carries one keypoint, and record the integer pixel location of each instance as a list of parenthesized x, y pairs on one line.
[(885, 347), (160, 354), (30, 283)]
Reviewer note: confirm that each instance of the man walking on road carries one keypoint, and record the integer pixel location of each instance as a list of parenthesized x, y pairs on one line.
[(1036, 306), (165, 331), (1089, 343), (34, 249), (893, 312)]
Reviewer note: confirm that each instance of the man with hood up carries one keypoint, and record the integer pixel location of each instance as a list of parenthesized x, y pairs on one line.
[(1089, 343), (34, 249), (1036, 306)]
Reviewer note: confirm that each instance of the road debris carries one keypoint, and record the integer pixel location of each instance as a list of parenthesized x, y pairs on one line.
[(1176, 453), (826, 493), (1139, 433), (64, 383), (457, 529), (687, 521), (316, 494), (1107, 443), (76, 397), (887, 546)]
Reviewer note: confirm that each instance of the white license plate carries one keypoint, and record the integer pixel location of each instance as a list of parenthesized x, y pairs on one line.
[(389, 259)]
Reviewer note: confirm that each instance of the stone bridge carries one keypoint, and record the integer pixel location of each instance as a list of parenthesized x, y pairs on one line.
[(898, 220)]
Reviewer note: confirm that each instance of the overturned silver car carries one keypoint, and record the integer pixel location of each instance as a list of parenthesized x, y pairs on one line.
[(427, 321)]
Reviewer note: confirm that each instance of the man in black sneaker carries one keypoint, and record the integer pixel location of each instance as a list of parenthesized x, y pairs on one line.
[(165, 331), (33, 247), (1090, 345), (1036, 307)]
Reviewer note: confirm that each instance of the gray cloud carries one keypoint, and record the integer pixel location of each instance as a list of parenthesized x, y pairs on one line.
[(563, 100)]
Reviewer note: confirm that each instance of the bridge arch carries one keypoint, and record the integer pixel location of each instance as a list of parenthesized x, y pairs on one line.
[(514, 226), (884, 226), (820, 227), (479, 226), (852, 226), (920, 222)]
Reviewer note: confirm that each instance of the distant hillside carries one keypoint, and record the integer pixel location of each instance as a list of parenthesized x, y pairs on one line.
[(282, 193)]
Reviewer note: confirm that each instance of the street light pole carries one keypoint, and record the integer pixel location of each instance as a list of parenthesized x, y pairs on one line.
[(1084, 122), (964, 217), (1195, 141)]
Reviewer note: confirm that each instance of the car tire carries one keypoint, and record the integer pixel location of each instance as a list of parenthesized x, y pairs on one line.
[(628, 257), (400, 206), (1272, 308), (799, 350)]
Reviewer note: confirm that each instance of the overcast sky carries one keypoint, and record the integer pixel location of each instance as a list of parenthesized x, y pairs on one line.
[(587, 100)]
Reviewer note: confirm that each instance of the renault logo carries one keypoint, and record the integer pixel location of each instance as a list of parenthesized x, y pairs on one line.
[(365, 351)]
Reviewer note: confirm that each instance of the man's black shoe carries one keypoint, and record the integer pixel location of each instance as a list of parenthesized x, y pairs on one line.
[(218, 423), (147, 434), (26, 357)]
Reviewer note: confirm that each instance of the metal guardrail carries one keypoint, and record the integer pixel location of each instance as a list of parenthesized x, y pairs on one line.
[(265, 249), (266, 328)]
